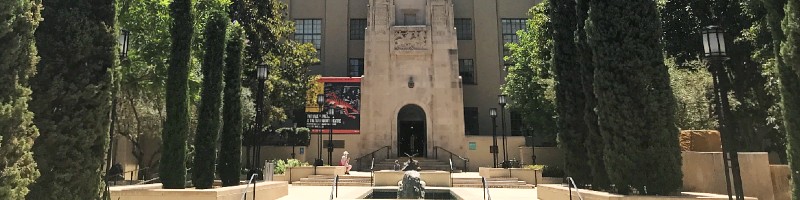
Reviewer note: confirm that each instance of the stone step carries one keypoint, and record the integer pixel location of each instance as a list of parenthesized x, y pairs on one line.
[(303, 183), (512, 182), (487, 179), (340, 177), (331, 180), (526, 186)]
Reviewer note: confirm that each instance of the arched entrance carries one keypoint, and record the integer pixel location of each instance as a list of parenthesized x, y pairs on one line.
[(411, 131)]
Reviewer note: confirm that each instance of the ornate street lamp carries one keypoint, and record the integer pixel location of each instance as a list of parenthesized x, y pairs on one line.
[(501, 99), (123, 44), (716, 53), (330, 134), (493, 148), (320, 103), (262, 72)]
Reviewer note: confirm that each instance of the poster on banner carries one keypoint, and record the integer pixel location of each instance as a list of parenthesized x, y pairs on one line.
[(343, 95)]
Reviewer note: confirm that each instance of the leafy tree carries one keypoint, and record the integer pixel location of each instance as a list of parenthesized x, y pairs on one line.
[(209, 119), (269, 34), (172, 169), (17, 62), (569, 90), (231, 141), (635, 104), (594, 140), (751, 113), (693, 89), (72, 96), (529, 82)]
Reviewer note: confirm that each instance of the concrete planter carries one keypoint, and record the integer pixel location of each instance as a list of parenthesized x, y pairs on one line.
[(263, 190), (549, 180), (558, 192), (280, 177)]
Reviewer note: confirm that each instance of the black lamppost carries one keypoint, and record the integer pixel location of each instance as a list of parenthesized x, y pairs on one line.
[(330, 134), (123, 55), (493, 148), (501, 99), (262, 73), (320, 103), (716, 54)]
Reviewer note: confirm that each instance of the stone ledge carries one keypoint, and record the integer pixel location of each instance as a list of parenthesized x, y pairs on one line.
[(558, 192)]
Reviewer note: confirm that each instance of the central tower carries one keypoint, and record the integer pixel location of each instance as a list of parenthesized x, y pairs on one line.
[(411, 91)]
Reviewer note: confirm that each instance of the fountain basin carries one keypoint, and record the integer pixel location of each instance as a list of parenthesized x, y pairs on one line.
[(392, 194)]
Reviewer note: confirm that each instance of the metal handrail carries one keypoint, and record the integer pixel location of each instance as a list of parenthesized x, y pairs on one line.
[(372, 154), (451, 172), (436, 156), (372, 173), (486, 194), (572, 181), (252, 180), (335, 187)]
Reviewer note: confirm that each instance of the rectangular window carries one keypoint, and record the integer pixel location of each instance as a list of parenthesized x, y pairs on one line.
[(356, 67), (466, 69), (357, 28), (509, 31), (516, 124), (309, 31), (471, 121), (463, 28)]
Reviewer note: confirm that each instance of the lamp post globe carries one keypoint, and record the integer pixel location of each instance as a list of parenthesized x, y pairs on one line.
[(715, 52)]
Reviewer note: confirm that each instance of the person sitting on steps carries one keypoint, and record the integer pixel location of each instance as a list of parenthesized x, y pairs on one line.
[(346, 162)]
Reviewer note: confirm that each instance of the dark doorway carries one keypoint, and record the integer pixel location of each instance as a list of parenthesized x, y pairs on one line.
[(411, 131)]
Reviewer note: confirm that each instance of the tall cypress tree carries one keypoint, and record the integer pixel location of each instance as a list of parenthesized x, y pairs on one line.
[(208, 122), (172, 168), (789, 68), (593, 141), (231, 141), (570, 99), (18, 63), (635, 103), (72, 97)]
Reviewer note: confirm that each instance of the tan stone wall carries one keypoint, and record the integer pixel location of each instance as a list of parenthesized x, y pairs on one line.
[(780, 181), (431, 178), (263, 191), (551, 156), (700, 140), (558, 192), (527, 175), (704, 172), (480, 157)]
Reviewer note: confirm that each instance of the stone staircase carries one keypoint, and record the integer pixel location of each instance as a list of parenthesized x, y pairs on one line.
[(499, 182), (327, 180), (424, 163)]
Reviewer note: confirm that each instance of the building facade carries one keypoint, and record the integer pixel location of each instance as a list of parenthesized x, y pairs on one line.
[(431, 69)]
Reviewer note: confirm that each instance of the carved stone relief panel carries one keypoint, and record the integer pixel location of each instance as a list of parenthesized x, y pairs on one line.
[(410, 39)]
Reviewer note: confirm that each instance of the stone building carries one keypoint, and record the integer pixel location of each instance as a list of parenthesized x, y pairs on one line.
[(431, 69)]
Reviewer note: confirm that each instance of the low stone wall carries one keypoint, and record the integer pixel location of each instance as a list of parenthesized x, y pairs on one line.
[(296, 173), (431, 178), (780, 181), (704, 172), (551, 156), (263, 190), (558, 192)]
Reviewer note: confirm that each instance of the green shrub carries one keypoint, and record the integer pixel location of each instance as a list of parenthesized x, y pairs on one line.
[(281, 166), (552, 171)]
